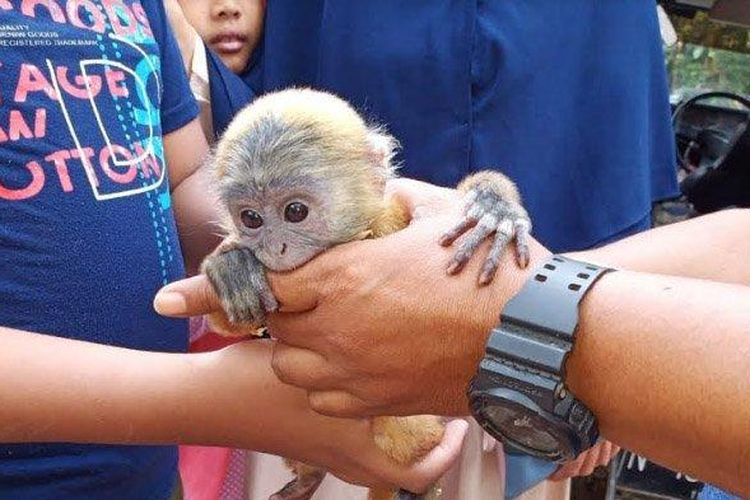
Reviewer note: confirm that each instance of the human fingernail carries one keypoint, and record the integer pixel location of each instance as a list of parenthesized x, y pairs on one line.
[(169, 303)]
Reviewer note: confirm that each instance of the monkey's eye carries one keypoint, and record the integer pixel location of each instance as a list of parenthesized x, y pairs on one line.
[(251, 219), (295, 212)]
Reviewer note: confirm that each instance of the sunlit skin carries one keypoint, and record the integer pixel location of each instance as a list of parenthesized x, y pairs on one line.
[(231, 28)]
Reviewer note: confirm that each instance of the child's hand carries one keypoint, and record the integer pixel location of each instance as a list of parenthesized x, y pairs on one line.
[(246, 403), (584, 464)]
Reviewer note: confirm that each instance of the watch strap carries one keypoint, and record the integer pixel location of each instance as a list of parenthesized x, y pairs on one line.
[(538, 324)]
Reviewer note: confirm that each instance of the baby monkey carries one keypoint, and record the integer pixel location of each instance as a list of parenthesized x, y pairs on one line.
[(298, 172)]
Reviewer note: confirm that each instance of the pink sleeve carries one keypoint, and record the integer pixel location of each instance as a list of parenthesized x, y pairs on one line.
[(211, 473)]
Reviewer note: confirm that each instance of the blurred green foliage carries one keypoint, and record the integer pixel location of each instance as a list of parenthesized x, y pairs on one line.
[(709, 56)]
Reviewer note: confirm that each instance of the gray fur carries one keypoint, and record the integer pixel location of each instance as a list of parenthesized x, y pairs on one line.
[(273, 159), (240, 282), (273, 153), (270, 152), (488, 211)]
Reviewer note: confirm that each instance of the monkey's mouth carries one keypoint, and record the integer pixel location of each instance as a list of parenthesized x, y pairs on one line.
[(286, 259)]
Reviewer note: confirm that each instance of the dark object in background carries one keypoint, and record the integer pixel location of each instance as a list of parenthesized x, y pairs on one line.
[(721, 175), (636, 474), (727, 11)]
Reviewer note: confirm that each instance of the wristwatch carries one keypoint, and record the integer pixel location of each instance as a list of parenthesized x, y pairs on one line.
[(518, 394)]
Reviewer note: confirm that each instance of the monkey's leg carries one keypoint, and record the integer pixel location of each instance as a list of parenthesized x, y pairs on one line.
[(303, 486), (405, 440), (492, 205), (393, 495), (240, 282)]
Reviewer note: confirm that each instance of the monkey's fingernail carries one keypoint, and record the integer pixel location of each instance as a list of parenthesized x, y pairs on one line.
[(170, 304), (444, 240), (523, 260), (454, 267)]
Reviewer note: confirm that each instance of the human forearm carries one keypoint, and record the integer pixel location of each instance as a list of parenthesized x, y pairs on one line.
[(58, 389), (64, 390), (197, 219), (193, 197), (711, 247), (643, 338), (662, 362)]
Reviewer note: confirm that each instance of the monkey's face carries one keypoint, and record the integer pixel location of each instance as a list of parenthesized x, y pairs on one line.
[(299, 172), (288, 222)]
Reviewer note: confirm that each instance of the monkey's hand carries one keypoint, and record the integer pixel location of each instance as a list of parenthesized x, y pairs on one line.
[(492, 205), (240, 282)]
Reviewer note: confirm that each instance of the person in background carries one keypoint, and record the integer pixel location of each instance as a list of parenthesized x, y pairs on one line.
[(230, 28), (218, 36), (102, 202)]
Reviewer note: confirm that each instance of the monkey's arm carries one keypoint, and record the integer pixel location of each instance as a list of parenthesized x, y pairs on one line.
[(192, 199), (492, 205), (239, 280)]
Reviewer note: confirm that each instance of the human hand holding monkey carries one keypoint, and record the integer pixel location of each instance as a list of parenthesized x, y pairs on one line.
[(421, 357), (331, 327), (401, 371)]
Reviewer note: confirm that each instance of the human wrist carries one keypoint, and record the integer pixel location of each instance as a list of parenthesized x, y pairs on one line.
[(583, 358), (212, 386), (508, 282), (219, 412), (491, 300), (522, 375)]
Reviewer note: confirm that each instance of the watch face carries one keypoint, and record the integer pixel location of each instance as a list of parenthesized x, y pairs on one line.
[(523, 429)]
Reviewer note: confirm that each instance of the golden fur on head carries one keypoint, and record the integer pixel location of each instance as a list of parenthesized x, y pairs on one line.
[(339, 127), (296, 134)]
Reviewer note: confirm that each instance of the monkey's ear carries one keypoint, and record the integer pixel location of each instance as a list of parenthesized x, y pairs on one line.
[(382, 148)]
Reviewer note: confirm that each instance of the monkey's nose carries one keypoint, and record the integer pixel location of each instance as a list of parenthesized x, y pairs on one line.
[(283, 248)]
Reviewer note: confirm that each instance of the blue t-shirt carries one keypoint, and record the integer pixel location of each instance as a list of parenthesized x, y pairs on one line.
[(87, 234), (569, 98)]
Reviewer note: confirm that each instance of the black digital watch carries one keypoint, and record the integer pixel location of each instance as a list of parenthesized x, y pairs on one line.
[(518, 394)]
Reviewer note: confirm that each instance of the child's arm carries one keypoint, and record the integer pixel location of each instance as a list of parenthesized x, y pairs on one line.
[(193, 198), (56, 389), (184, 33)]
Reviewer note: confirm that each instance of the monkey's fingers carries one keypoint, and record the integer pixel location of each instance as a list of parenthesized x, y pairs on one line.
[(242, 306), (467, 248), (267, 299), (522, 229), (449, 237), (301, 487), (473, 211), (219, 323), (503, 236), (238, 277)]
